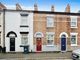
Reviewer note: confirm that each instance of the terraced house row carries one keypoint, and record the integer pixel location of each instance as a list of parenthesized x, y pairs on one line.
[(42, 31)]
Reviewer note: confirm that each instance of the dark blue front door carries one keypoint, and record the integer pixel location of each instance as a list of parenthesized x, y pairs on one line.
[(63, 44)]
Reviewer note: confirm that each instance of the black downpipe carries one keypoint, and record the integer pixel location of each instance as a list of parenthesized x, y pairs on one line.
[(4, 48)]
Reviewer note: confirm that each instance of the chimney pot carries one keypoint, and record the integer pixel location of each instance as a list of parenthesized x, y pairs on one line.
[(35, 7), (52, 8), (18, 7), (67, 8)]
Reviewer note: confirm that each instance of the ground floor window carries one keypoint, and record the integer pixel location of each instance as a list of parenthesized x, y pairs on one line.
[(24, 39), (73, 39), (50, 38)]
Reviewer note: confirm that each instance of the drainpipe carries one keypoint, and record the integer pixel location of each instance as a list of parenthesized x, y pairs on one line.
[(4, 48)]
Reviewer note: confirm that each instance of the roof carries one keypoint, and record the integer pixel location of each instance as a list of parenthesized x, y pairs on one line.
[(2, 6), (45, 12), (61, 13)]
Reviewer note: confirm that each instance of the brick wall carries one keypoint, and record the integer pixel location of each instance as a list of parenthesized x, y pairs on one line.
[(62, 24)]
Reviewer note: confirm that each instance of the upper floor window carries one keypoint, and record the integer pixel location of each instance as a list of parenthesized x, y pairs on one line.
[(50, 21), (24, 19), (50, 38), (73, 39), (73, 22)]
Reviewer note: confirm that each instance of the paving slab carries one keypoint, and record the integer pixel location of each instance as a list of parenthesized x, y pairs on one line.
[(36, 56)]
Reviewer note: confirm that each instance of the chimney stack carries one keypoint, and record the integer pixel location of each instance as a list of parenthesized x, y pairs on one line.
[(35, 7), (18, 7), (2, 6), (67, 8), (52, 8)]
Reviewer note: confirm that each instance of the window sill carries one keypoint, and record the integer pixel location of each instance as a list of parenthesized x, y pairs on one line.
[(50, 27), (74, 27), (74, 45), (24, 26), (24, 32), (50, 45), (23, 45)]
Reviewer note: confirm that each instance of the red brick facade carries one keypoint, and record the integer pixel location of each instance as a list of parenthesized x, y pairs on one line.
[(61, 24)]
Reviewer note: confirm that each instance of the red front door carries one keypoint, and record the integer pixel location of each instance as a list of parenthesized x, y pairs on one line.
[(38, 44)]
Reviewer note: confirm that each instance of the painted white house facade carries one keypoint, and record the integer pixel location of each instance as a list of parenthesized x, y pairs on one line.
[(18, 30)]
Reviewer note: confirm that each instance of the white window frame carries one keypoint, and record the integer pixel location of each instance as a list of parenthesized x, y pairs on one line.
[(72, 20), (50, 33), (76, 38), (50, 18), (26, 36)]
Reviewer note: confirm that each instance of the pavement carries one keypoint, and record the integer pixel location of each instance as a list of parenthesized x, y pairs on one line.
[(36, 56)]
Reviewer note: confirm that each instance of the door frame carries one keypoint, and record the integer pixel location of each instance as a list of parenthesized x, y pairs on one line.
[(10, 43), (36, 44), (60, 44), (11, 34)]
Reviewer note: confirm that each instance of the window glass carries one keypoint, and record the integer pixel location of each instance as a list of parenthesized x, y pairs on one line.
[(24, 20), (24, 39), (50, 39), (73, 39), (50, 22), (73, 22)]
